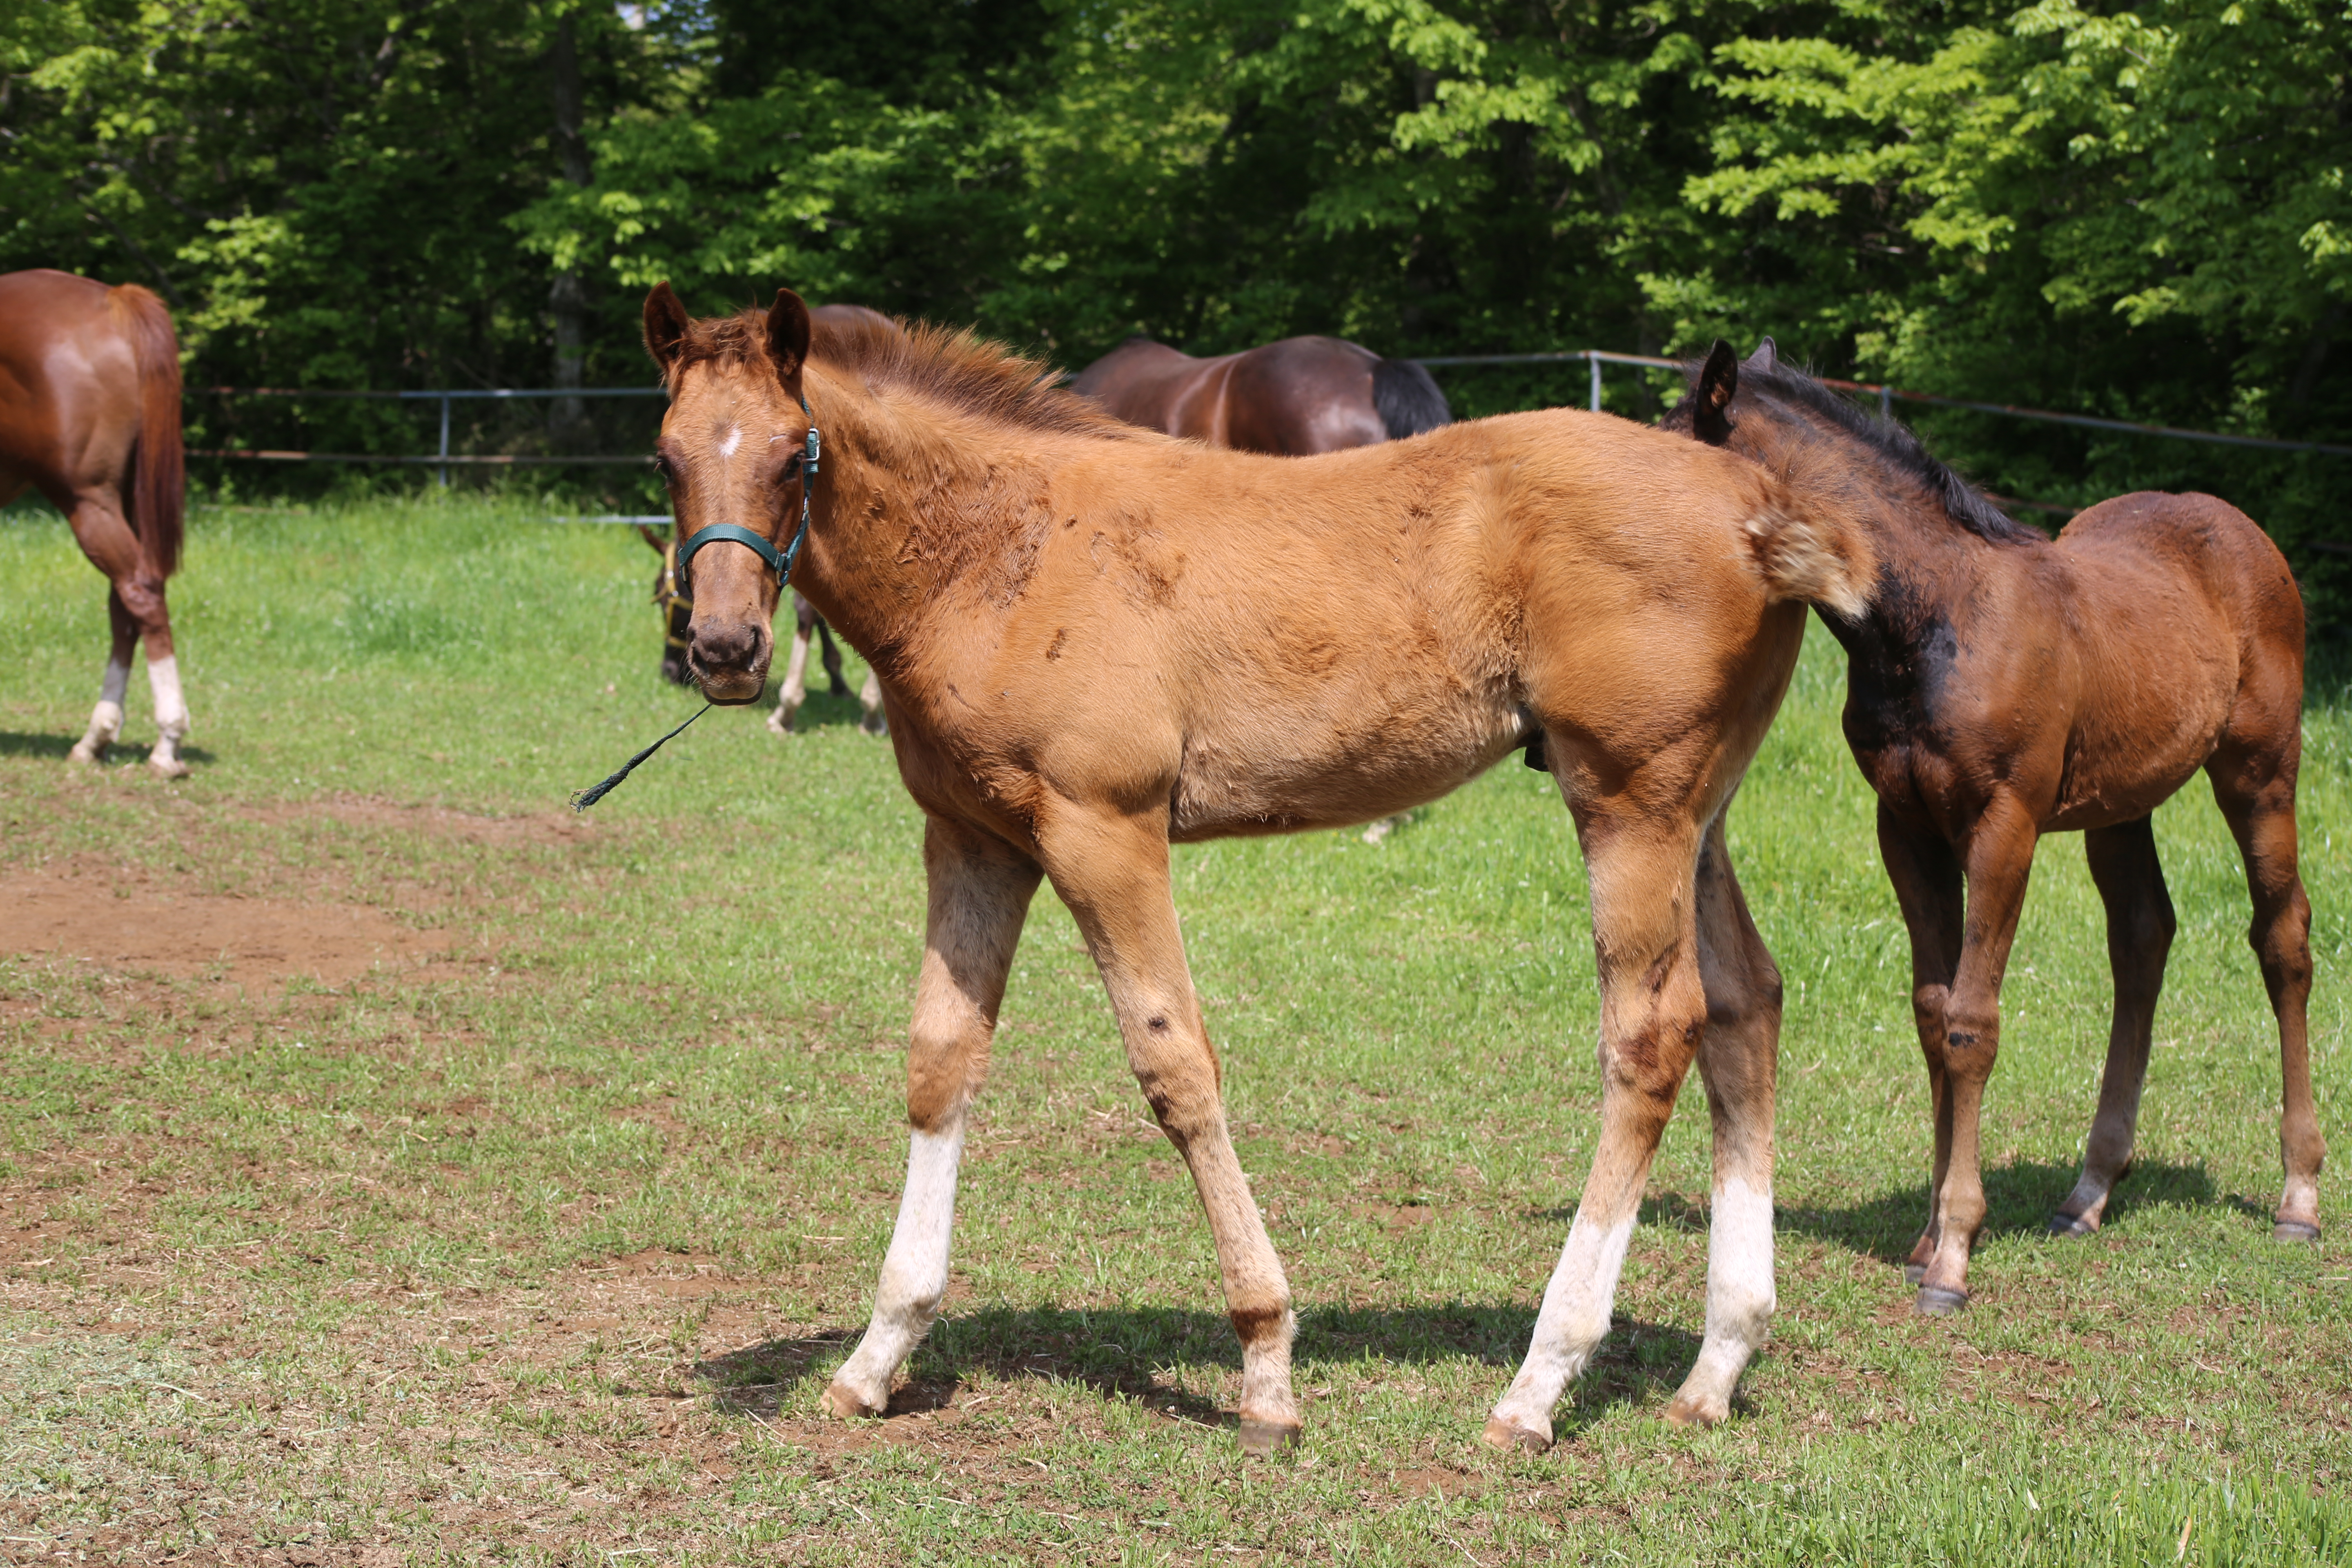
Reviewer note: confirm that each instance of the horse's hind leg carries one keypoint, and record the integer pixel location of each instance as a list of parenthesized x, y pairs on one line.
[(2140, 937), (1740, 1062), (1653, 1010), (980, 892), (872, 720), (2256, 794), (795, 687), (1926, 877), (829, 657), (106, 719), (1112, 872)]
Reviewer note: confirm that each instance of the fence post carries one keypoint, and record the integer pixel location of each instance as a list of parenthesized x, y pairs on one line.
[(1593, 360), (445, 441), (1886, 401)]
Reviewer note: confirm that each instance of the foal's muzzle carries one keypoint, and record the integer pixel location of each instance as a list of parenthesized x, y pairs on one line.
[(730, 661)]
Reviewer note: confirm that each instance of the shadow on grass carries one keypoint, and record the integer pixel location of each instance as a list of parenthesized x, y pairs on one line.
[(56, 747), (2019, 1198), (824, 710), (1123, 1352)]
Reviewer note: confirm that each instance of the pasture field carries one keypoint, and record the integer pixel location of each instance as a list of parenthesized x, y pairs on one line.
[(396, 1169)]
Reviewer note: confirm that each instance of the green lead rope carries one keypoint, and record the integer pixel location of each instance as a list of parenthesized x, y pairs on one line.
[(588, 797)]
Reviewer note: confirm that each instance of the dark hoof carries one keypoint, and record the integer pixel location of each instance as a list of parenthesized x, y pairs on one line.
[(1501, 1434), (2071, 1224), (1914, 1272), (2294, 1230), (1935, 1301), (1262, 1439)]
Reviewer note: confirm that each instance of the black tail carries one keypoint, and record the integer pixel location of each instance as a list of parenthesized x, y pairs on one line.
[(1408, 400)]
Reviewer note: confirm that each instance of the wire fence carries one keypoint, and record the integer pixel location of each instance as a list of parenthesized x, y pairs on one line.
[(1888, 396)]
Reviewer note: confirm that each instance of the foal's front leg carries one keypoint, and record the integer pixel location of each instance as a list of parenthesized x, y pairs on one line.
[(795, 690), (979, 891), (1112, 872)]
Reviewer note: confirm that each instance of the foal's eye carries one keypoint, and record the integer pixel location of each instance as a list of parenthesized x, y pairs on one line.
[(791, 470)]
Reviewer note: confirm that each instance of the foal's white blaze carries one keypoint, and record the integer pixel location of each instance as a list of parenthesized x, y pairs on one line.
[(1739, 1296), (729, 441), (1574, 1319), (914, 1273)]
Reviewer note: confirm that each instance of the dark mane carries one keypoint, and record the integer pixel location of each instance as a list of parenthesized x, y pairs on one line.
[(1894, 442), (946, 365)]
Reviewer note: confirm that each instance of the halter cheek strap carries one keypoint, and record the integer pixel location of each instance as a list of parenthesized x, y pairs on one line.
[(780, 563)]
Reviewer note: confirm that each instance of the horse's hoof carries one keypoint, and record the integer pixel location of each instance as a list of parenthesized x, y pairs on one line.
[(1935, 1301), (87, 755), (846, 1403), (1688, 1410), (1914, 1272), (1501, 1434), (874, 727), (2072, 1224), (2295, 1230), (1264, 1439), (172, 768)]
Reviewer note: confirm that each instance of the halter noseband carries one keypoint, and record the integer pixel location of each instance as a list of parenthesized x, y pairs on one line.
[(736, 533)]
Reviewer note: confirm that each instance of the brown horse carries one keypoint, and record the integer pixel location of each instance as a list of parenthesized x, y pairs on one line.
[(1095, 641), (90, 413), (1293, 398), (2002, 686)]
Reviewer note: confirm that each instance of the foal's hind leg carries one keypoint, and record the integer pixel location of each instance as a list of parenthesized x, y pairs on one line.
[(1112, 872), (1654, 1011), (979, 891), (2256, 794), (137, 607), (829, 657), (2139, 936), (1926, 877), (1738, 1060), (872, 720)]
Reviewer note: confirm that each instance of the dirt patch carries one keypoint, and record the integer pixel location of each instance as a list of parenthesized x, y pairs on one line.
[(440, 822), (124, 921)]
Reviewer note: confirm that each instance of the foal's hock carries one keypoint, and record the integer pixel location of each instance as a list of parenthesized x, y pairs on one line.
[(1096, 640)]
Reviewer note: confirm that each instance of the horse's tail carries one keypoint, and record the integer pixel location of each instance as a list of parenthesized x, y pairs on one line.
[(1811, 547), (1406, 398), (159, 480)]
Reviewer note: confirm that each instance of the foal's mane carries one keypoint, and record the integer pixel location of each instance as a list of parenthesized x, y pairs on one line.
[(1894, 442), (946, 365)]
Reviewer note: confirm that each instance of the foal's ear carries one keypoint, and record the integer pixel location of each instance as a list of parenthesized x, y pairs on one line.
[(1718, 383), (666, 325), (1767, 355), (788, 334), (661, 545)]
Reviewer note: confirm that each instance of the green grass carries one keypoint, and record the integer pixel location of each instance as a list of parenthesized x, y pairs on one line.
[(540, 1252)]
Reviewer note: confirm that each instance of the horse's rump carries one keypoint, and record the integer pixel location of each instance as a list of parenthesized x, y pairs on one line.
[(159, 475)]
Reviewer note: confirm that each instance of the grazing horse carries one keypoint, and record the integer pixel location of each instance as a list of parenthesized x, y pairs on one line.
[(89, 414), (1097, 641), (2002, 686), (677, 611), (1293, 398)]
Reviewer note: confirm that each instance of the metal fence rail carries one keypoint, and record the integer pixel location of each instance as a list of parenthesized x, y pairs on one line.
[(445, 397)]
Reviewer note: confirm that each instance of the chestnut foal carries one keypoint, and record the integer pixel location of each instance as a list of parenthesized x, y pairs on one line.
[(2002, 686), (1096, 640)]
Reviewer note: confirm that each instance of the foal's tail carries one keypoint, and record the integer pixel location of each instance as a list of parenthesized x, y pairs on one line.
[(159, 480), (1811, 547), (1406, 399)]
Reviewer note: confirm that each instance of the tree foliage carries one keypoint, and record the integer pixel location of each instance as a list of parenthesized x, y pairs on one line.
[(2142, 214)]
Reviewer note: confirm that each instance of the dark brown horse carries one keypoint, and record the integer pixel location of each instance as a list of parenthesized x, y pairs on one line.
[(1293, 398), (2002, 685), (89, 414)]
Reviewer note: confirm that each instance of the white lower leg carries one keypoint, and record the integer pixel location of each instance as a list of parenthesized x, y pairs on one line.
[(795, 690), (869, 697), (106, 719), (914, 1275), (171, 712), (1739, 1299), (1574, 1320)]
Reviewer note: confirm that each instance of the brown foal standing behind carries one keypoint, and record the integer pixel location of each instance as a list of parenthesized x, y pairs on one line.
[(89, 414), (1095, 641), (2004, 685), (1294, 398)]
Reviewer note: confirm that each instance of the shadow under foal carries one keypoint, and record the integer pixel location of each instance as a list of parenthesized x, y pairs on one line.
[(2002, 685)]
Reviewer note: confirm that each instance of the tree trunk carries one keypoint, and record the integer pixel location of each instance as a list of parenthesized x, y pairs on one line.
[(568, 298)]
